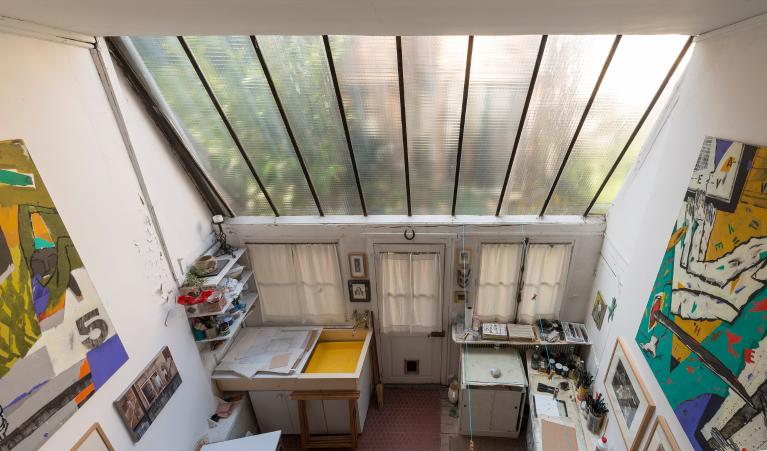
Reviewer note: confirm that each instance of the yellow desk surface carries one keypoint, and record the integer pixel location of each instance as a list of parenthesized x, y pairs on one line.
[(335, 357)]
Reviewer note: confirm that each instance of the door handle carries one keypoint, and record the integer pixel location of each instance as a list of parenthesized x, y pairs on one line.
[(437, 334)]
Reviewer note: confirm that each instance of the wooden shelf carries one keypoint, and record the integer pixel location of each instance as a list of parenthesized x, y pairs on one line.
[(215, 280), (247, 274)]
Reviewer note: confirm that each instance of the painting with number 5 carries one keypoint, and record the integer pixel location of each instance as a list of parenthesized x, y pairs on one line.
[(57, 344)]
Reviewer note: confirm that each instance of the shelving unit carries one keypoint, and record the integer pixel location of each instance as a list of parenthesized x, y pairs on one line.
[(212, 350)]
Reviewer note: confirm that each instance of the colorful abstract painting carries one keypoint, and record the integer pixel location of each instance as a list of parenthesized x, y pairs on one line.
[(57, 344), (703, 330)]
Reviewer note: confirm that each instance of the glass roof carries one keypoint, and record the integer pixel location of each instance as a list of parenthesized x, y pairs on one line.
[(440, 125)]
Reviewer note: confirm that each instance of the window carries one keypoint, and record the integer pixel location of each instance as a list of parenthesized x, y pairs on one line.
[(498, 281), (298, 283), (305, 125), (544, 275), (411, 297)]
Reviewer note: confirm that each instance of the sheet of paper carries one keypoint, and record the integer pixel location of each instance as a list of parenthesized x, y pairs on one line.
[(546, 405), (267, 350)]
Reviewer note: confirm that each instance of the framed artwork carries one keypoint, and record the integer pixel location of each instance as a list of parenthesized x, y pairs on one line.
[(598, 311), (629, 399), (463, 258), (142, 402), (94, 439), (58, 345), (661, 438), (359, 290), (459, 296), (358, 267), (703, 327)]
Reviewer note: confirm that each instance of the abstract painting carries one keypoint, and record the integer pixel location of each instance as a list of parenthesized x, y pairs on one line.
[(703, 329), (57, 344), (142, 402)]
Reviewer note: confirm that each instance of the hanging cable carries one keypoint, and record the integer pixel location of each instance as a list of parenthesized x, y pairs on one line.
[(465, 344)]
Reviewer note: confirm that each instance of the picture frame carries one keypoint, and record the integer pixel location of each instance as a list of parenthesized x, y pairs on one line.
[(359, 290), (94, 442), (661, 438), (460, 296), (598, 310), (463, 256), (629, 399), (358, 267), (141, 403)]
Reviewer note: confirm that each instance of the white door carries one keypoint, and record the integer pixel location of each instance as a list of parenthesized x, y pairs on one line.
[(411, 320)]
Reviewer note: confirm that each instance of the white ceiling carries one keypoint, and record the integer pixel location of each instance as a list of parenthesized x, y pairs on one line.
[(383, 17)]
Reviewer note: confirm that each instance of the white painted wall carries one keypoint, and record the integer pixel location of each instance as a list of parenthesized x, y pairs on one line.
[(585, 236), (722, 94), (52, 98)]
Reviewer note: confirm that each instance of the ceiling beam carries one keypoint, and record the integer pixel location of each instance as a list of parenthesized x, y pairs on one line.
[(404, 123), (585, 114), (641, 122), (285, 121), (530, 89), (342, 111), (225, 119), (466, 80)]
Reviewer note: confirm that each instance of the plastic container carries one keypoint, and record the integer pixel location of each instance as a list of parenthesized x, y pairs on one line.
[(601, 444)]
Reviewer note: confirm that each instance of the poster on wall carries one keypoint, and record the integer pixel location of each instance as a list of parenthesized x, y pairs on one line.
[(143, 401), (703, 329), (57, 343)]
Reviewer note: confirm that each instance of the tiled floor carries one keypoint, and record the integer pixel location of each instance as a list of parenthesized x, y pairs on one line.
[(416, 418)]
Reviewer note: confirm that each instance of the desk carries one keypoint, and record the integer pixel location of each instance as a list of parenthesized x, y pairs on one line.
[(261, 442), (575, 418)]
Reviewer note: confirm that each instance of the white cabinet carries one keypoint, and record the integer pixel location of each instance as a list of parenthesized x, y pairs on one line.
[(493, 405), (275, 411)]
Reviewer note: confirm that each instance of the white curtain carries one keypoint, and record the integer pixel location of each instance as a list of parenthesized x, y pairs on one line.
[(545, 277), (298, 283), (411, 297), (498, 279)]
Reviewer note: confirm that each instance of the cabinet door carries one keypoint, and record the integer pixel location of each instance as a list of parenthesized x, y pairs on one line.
[(506, 410), (481, 409), (272, 412), (337, 416)]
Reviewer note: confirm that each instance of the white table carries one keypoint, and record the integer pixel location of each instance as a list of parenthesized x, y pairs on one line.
[(261, 442)]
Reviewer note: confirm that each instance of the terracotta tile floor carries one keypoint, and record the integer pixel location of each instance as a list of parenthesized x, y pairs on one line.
[(416, 418)]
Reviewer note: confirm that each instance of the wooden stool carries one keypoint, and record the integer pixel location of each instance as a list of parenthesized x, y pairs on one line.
[(327, 441)]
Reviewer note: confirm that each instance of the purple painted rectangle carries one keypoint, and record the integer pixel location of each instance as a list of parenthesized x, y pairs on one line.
[(106, 359)]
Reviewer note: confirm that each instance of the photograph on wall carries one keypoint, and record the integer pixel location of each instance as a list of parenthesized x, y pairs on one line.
[(57, 343), (358, 266), (628, 396), (703, 331), (143, 401)]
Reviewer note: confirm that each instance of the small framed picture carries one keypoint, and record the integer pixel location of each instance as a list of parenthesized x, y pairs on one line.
[(359, 290), (598, 311), (459, 296), (358, 266), (629, 398), (463, 257), (94, 439), (661, 438)]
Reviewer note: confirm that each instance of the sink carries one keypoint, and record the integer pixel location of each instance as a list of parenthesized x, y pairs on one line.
[(335, 357)]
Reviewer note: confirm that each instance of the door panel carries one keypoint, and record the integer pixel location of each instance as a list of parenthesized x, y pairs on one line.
[(412, 356)]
